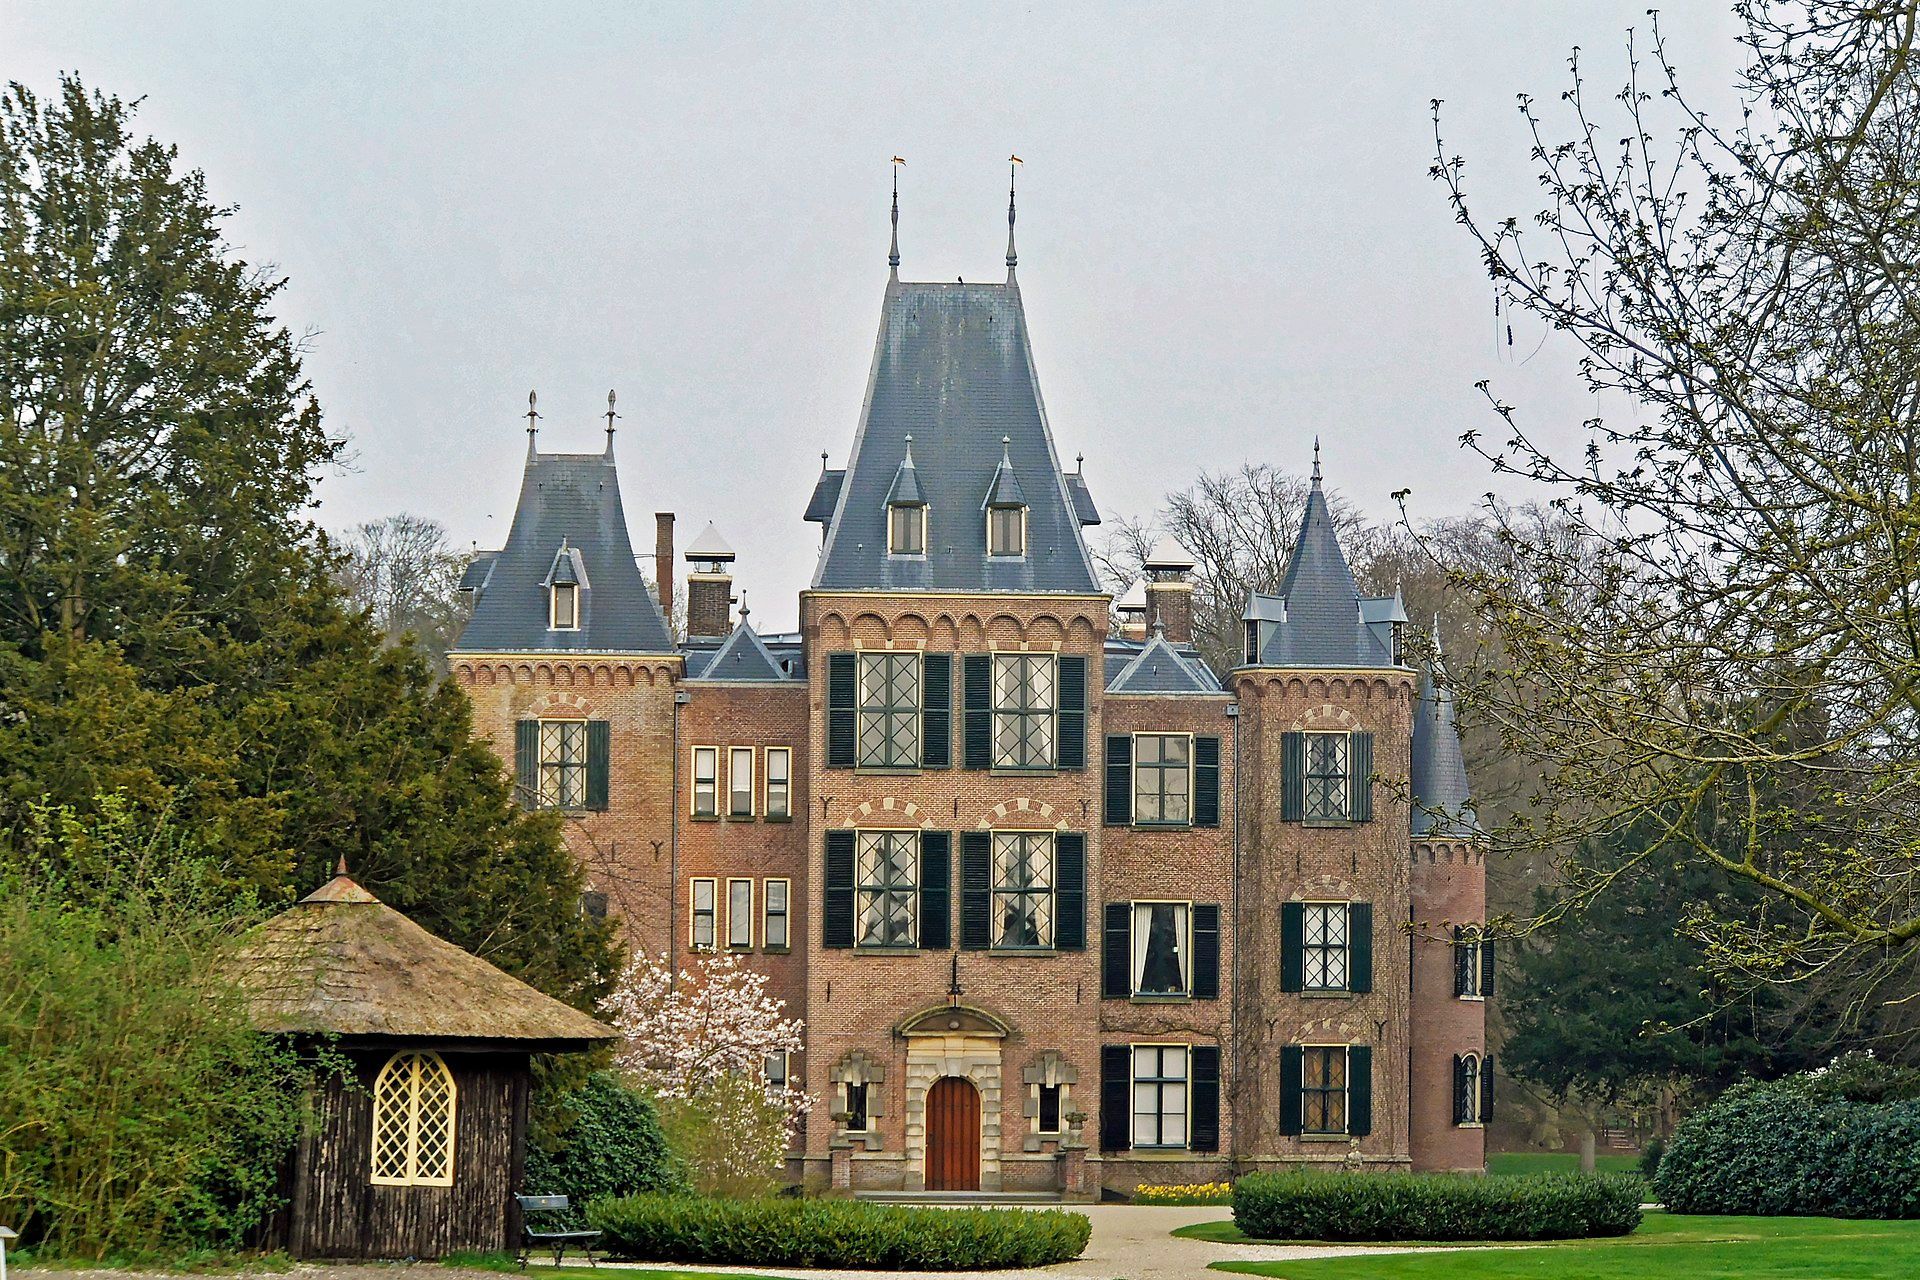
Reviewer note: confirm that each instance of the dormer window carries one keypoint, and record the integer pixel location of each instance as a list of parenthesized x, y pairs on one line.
[(907, 529), (1007, 531), (564, 607)]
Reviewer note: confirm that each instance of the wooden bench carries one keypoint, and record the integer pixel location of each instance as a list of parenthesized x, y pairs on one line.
[(533, 1237)]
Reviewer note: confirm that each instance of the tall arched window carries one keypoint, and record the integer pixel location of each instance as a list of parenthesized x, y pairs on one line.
[(413, 1110), (1466, 1089)]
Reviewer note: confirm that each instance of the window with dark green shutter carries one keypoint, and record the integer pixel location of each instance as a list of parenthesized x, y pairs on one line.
[(1116, 1097), (1359, 1090), (1293, 777), (1360, 777), (1071, 750), (1203, 1131), (976, 890), (977, 730), (1324, 1096), (936, 909), (1206, 951), (842, 708), (1070, 891), (1292, 1071), (1293, 946), (1118, 810), (1360, 946), (1206, 781), (936, 711), (599, 758), (1486, 1089), (1486, 967), (526, 763), (1116, 952), (837, 905)]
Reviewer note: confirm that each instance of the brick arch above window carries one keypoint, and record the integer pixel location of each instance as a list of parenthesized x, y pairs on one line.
[(1020, 811)]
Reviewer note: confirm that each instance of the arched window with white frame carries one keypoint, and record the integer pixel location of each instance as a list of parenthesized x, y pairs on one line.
[(413, 1122)]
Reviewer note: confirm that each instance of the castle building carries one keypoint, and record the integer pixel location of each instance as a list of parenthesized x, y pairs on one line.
[(1062, 908)]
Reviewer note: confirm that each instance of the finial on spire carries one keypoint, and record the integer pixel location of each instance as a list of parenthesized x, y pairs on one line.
[(1006, 451), (893, 253), (340, 867), (1013, 167), (823, 462), (744, 611), (533, 419), (1316, 462), (611, 415), (1079, 464), (908, 460)]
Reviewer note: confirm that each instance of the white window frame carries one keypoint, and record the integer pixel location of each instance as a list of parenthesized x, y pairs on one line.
[(1346, 1091), (918, 509), (737, 917), (1475, 968), (1474, 1120), (861, 889), (1138, 821), (1343, 795), (734, 790), (1137, 962), (417, 1062), (784, 915), (711, 912), (557, 798), (1185, 1080), (1051, 891), (783, 789), (711, 782), (572, 590), (995, 711), (785, 1076), (1021, 551), (1307, 948), (863, 712)]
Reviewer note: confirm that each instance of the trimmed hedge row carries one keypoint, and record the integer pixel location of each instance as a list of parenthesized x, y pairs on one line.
[(1435, 1206), (1795, 1146), (836, 1233)]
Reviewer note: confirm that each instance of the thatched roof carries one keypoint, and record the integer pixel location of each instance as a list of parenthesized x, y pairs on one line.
[(340, 961)]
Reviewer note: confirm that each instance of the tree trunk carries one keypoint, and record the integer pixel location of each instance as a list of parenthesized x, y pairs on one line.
[(1586, 1150)]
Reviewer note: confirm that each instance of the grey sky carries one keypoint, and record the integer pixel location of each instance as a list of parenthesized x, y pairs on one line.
[(1228, 241)]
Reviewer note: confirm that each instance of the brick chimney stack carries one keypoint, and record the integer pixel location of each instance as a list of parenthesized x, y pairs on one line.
[(663, 562), (1169, 594), (710, 585)]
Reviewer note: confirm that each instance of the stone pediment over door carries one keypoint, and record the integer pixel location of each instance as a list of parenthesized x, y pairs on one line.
[(954, 1020)]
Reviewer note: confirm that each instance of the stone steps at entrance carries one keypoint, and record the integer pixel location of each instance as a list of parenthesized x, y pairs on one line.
[(961, 1197)]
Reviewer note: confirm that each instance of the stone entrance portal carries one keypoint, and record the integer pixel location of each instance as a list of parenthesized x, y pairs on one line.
[(953, 1098)]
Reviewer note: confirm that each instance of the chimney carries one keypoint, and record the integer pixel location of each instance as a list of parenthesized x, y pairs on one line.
[(710, 585), (1169, 594), (663, 562), (1132, 608)]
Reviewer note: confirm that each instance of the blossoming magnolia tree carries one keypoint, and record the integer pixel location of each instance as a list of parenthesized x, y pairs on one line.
[(699, 1042)]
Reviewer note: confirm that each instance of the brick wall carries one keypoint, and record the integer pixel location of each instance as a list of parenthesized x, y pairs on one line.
[(1449, 888)]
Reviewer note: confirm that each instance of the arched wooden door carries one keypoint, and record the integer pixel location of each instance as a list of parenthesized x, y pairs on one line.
[(953, 1135)]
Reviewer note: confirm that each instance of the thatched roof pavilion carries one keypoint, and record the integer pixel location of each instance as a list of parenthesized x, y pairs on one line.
[(417, 1149)]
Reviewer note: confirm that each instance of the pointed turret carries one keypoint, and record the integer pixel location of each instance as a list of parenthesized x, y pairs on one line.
[(1005, 490), (1442, 799), (905, 490), (1013, 259)]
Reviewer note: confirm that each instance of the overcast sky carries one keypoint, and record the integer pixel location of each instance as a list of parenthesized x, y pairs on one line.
[(1228, 239)]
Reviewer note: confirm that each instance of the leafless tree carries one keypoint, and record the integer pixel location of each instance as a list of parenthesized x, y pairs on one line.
[(405, 574)]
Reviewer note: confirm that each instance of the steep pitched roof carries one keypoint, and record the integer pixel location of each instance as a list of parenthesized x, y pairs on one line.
[(570, 500), (742, 656), (342, 962), (1319, 618), (1442, 799), (1083, 508), (905, 490), (952, 367), (1160, 668)]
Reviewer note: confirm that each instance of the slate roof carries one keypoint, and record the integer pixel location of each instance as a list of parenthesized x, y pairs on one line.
[(741, 657), (1318, 618), (479, 568), (826, 496), (952, 367), (1160, 668), (905, 490), (1442, 799), (566, 500), (1083, 508), (342, 962)]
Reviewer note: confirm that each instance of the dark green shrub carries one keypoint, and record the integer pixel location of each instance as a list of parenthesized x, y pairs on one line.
[(607, 1141), (1798, 1146), (1435, 1206), (1649, 1162), (836, 1233)]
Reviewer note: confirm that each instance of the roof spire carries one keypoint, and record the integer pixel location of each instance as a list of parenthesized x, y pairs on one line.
[(533, 418), (1013, 167), (611, 415), (908, 460), (1316, 462), (893, 253), (340, 867)]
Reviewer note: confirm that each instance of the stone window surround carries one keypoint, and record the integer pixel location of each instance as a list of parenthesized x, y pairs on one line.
[(858, 1067), (1049, 1068)]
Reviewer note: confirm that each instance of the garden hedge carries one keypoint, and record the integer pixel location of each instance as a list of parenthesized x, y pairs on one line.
[(1805, 1145), (850, 1234), (607, 1142), (1435, 1206)]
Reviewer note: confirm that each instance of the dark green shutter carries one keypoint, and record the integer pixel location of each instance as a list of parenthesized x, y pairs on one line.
[(842, 708), (1486, 967), (1116, 955), (1292, 1077), (1360, 946), (1460, 1101), (837, 918), (1293, 777), (1359, 1090), (1206, 782), (976, 890), (936, 710), (1119, 805), (936, 907), (1360, 777), (1486, 1089), (1293, 946), (1203, 1126), (1070, 745), (978, 717), (1070, 891), (526, 763), (1206, 951), (1116, 1097), (1462, 961), (599, 758)]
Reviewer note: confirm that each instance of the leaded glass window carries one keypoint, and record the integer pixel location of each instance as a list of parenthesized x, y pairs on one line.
[(1159, 1095), (1160, 953), (886, 883), (563, 764), (1025, 686), (1326, 946), (1326, 777), (1162, 778), (1323, 1089), (889, 710), (413, 1118), (1023, 889)]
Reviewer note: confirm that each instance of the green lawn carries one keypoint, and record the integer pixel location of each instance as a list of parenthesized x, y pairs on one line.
[(505, 1262), (1666, 1247), (1512, 1163)]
